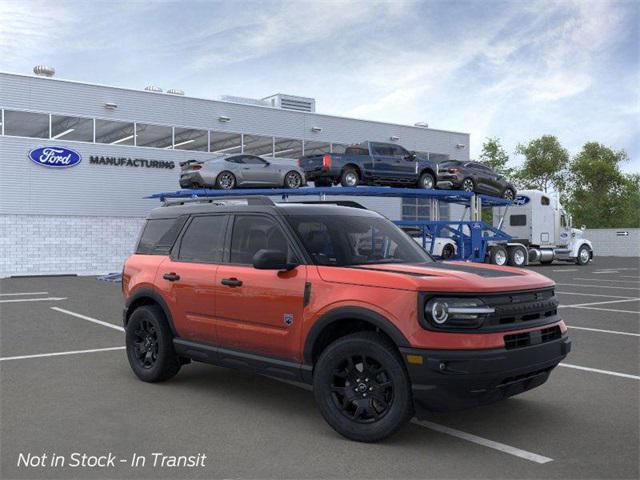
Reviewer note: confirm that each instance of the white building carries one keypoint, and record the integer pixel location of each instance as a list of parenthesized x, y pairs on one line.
[(85, 219)]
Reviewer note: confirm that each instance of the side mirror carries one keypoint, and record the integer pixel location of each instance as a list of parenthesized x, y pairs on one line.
[(411, 156), (583, 228), (272, 260)]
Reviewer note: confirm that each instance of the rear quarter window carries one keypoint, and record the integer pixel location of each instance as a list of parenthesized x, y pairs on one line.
[(159, 235)]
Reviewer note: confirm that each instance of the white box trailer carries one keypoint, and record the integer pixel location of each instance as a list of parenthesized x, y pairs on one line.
[(541, 230)]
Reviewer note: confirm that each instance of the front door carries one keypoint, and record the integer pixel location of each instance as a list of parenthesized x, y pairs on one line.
[(188, 278), (259, 310), (383, 160)]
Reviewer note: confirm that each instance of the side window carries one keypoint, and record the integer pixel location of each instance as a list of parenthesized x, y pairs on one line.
[(545, 201), (252, 233), (563, 221), (399, 151), (238, 159), (380, 149), (204, 239), (159, 235), (518, 220), (253, 160)]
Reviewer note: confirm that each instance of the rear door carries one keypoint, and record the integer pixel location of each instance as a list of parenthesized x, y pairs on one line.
[(383, 160), (259, 311), (188, 277)]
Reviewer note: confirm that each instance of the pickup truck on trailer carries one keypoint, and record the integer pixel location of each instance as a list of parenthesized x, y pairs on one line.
[(339, 298), (371, 163)]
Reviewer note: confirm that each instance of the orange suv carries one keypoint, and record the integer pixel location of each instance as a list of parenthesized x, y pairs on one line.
[(337, 297)]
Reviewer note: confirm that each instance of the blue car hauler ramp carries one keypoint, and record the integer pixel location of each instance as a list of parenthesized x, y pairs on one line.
[(472, 237)]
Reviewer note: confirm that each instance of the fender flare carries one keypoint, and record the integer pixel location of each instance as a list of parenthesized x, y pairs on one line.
[(579, 244), (156, 297), (351, 313)]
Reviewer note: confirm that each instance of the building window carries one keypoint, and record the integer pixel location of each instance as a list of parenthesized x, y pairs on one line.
[(114, 133), (71, 128), (157, 136), (287, 148), (316, 148), (26, 124), (191, 139), (258, 145), (419, 209), (225, 143)]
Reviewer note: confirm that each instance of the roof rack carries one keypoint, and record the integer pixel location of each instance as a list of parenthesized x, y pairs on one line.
[(340, 203), (228, 200)]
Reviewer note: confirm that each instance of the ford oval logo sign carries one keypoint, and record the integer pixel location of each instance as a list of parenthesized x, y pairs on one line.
[(521, 200), (55, 157)]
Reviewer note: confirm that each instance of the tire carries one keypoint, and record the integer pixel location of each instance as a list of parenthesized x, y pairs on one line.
[(225, 180), (338, 384), (448, 251), (427, 181), (498, 255), (149, 344), (468, 185), (508, 194), (349, 177), (517, 257), (584, 255), (323, 182), (292, 180)]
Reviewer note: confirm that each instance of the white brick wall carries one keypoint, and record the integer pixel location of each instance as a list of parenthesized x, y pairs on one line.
[(48, 244), (607, 242)]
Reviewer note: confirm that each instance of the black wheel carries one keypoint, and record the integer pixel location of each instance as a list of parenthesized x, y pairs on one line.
[(362, 388), (584, 255), (226, 180), (293, 179), (468, 185), (323, 182), (150, 345), (517, 256), (508, 194), (498, 255), (349, 177), (448, 251), (427, 181)]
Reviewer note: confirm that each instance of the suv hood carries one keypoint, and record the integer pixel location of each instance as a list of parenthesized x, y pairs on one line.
[(438, 277)]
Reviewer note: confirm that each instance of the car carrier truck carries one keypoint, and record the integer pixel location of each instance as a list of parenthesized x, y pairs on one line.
[(541, 231)]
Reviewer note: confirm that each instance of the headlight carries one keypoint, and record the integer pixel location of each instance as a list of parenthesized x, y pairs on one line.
[(456, 312)]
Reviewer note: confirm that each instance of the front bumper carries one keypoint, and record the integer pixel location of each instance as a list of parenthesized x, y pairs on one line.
[(457, 379)]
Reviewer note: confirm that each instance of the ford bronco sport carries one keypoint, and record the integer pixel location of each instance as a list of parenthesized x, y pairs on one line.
[(339, 298)]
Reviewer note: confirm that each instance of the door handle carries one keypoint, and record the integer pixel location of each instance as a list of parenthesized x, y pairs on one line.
[(231, 282), (172, 277)]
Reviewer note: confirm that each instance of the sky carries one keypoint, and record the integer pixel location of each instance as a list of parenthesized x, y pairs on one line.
[(514, 70)]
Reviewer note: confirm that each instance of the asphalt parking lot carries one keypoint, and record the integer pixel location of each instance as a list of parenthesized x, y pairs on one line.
[(66, 387)]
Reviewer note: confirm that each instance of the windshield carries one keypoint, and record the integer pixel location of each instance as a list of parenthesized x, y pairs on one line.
[(343, 240)]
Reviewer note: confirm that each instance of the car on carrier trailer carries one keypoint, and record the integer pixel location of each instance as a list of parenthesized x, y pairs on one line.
[(339, 298)]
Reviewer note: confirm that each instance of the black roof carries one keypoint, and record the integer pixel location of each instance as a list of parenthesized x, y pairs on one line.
[(250, 204)]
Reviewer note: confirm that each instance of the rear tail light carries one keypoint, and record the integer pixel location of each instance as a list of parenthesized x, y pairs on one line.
[(326, 161)]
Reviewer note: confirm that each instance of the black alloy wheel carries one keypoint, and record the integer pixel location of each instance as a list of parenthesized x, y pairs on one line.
[(448, 251), (361, 389), (145, 344), (293, 180), (468, 185), (508, 194)]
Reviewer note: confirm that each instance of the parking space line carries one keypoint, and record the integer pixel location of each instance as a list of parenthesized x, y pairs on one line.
[(606, 280), (596, 286), (89, 319), (604, 331), (46, 299), (592, 295), (609, 310), (597, 370), (517, 452), (599, 303), (567, 270), (453, 432), (628, 276), (23, 293), (57, 354)]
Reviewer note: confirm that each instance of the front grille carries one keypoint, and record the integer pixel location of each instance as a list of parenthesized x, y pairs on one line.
[(535, 337), (523, 377), (512, 309)]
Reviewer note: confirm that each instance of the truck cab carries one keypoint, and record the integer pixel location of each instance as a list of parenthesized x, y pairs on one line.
[(538, 221)]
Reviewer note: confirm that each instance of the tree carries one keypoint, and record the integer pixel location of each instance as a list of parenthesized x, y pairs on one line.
[(545, 164), (495, 157), (600, 194)]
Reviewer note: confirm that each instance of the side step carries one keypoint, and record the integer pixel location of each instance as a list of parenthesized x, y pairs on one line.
[(222, 357)]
